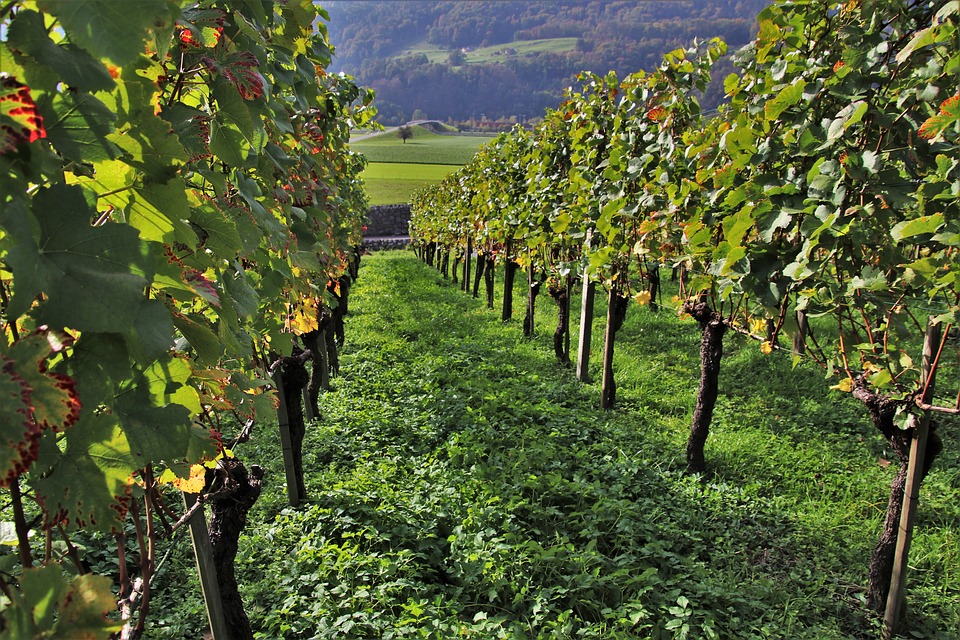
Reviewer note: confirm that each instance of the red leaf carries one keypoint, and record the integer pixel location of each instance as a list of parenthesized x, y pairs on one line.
[(656, 114), (199, 284), (19, 120), (949, 106), (240, 69)]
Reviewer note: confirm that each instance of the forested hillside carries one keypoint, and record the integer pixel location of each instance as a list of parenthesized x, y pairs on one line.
[(463, 60)]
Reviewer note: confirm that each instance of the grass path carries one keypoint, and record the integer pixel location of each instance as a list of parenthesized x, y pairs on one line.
[(463, 486)]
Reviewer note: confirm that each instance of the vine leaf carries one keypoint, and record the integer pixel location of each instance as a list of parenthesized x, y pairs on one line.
[(201, 27), (949, 114), (88, 483), (79, 126), (18, 433), (19, 120), (241, 70), (109, 28), (75, 266), (71, 64), (34, 399), (51, 605)]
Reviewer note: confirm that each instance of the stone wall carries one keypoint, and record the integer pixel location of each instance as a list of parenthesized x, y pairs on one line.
[(388, 220)]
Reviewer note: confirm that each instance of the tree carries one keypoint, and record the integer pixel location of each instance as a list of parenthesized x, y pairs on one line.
[(405, 132), (457, 58)]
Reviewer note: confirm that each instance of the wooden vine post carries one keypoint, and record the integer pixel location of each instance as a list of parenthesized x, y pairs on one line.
[(586, 329), (286, 442), (206, 568), (911, 491), (586, 321)]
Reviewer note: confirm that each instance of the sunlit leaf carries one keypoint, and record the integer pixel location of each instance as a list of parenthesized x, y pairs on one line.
[(19, 120)]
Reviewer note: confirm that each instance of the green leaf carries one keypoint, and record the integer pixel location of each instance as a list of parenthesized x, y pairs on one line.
[(228, 143), (918, 226), (156, 410), (51, 605), (774, 220), (204, 341), (84, 608), (233, 110), (91, 276), (737, 225), (88, 483), (79, 126), (54, 402), (72, 65), (109, 28), (788, 96), (153, 329), (244, 296), (846, 118)]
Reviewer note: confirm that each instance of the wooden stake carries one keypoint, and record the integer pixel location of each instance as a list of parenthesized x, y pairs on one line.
[(286, 443), (608, 388), (586, 329), (911, 491), (203, 552)]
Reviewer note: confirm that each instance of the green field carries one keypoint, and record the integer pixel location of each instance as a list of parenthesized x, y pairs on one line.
[(398, 169), (394, 183), (425, 147), (496, 53)]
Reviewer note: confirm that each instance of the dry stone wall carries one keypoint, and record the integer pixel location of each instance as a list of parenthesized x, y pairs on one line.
[(388, 227), (388, 220)]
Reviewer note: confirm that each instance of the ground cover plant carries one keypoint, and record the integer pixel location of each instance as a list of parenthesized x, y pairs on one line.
[(461, 484)]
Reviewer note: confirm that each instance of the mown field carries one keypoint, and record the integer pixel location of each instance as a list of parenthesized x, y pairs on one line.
[(393, 183), (397, 169), (425, 147), (462, 485)]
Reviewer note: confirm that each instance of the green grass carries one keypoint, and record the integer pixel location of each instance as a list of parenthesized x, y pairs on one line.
[(463, 486), (390, 183), (495, 53), (426, 147), (397, 169)]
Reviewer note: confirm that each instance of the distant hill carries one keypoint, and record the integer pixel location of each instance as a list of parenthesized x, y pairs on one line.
[(502, 59)]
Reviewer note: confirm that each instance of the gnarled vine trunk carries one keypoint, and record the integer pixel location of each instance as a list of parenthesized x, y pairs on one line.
[(509, 275), (712, 328), (228, 517), (466, 265), (294, 377), (882, 411), (653, 275), (616, 313), (560, 292), (533, 289), (489, 273), (481, 265)]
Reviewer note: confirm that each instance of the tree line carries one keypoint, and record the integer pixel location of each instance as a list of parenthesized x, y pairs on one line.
[(611, 36)]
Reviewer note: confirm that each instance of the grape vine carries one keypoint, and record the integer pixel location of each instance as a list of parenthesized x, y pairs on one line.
[(819, 204), (178, 202)]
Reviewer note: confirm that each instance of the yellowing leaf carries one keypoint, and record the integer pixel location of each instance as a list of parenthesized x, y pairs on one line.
[(303, 317), (845, 385), (192, 484), (758, 325), (766, 347), (642, 298)]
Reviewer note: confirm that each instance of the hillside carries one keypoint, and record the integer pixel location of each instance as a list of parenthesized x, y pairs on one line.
[(496, 60)]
